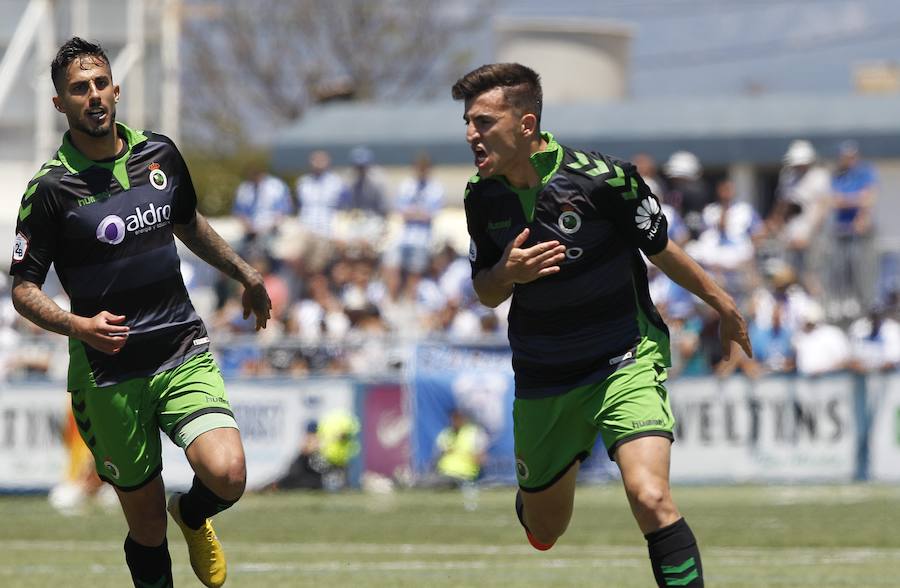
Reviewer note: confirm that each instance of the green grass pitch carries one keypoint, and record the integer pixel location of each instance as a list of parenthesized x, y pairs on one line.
[(784, 536)]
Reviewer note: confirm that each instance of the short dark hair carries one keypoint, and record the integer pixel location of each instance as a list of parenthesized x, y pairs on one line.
[(521, 85), (71, 50)]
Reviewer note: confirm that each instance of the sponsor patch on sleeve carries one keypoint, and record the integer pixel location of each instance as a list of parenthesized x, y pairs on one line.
[(20, 248)]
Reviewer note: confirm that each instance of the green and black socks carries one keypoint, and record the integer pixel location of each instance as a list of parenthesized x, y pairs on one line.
[(675, 556)]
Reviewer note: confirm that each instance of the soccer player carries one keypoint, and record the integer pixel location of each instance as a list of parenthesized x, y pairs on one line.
[(105, 210), (561, 231)]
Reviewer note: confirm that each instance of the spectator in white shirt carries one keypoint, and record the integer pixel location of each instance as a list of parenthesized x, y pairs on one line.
[(419, 198), (260, 203), (741, 222), (318, 195), (802, 195), (875, 342), (821, 348)]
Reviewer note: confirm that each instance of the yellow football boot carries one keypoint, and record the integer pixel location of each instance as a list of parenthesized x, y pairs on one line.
[(207, 556)]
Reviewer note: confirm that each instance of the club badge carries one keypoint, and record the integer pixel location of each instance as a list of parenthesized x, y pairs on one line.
[(569, 222), (158, 177)]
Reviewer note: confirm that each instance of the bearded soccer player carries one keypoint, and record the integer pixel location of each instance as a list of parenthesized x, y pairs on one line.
[(561, 231), (105, 210)]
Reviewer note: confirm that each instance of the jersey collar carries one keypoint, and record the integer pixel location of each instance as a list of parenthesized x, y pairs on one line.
[(545, 163), (76, 162)]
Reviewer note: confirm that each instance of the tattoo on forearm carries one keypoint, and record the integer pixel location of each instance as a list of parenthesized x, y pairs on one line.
[(203, 240), (31, 302)]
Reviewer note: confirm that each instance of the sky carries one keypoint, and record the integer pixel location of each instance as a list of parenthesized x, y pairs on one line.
[(725, 47)]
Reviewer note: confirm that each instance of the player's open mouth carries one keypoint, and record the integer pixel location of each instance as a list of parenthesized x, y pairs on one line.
[(97, 115), (480, 156)]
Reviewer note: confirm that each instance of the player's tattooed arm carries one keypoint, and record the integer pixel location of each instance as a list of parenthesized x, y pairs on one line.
[(31, 302), (104, 331), (208, 245)]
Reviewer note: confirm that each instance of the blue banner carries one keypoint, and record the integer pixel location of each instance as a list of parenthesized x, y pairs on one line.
[(478, 381)]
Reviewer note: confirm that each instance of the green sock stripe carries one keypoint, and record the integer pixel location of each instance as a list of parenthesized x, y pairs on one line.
[(682, 581), (679, 569), (689, 564)]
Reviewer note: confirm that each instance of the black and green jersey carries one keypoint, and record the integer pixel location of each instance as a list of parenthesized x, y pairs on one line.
[(594, 316), (107, 227)]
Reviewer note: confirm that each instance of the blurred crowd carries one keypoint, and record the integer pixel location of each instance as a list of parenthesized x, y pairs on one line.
[(354, 269), (805, 272)]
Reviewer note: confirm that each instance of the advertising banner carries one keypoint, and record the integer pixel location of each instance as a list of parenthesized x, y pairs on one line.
[(480, 382), (32, 419), (773, 429), (385, 431), (884, 438), (273, 417)]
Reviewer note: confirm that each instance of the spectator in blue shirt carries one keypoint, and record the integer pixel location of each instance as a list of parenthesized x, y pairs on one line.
[(854, 187)]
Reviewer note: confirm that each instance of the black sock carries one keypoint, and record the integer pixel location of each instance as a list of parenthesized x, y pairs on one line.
[(675, 556), (148, 565), (520, 510), (200, 503)]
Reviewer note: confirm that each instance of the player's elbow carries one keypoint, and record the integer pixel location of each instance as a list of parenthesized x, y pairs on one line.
[(487, 301), (491, 300), (19, 295), (489, 293)]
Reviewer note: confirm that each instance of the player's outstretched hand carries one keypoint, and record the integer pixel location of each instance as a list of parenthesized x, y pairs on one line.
[(528, 264), (256, 300), (105, 331), (733, 330)]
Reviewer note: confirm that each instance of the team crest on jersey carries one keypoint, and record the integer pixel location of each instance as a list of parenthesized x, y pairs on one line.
[(158, 177), (569, 222), (20, 247), (473, 251)]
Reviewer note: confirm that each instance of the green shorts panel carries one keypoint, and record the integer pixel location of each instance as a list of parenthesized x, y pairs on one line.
[(552, 433), (120, 424), (190, 391)]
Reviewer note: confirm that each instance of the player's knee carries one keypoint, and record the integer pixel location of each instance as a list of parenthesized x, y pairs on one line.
[(651, 498), (235, 479), (229, 476)]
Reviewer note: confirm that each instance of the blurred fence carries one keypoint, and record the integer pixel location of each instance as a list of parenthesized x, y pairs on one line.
[(834, 428)]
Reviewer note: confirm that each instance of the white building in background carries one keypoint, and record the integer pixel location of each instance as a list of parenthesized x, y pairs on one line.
[(585, 66), (577, 59)]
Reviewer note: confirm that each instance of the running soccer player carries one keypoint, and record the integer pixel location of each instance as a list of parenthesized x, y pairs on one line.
[(105, 210), (561, 231)]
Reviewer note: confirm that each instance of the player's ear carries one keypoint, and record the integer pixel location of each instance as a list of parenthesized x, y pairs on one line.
[(529, 125), (116, 92), (57, 103)]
